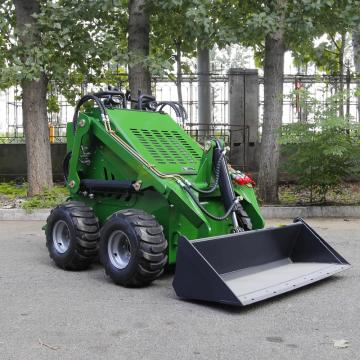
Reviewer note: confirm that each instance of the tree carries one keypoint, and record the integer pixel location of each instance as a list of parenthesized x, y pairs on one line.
[(266, 23), (356, 54), (328, 47), (63, 42), (273, 107), (324, 151), (273, 27), (173, 39), (191, 30), (80, 39), (205, 27), (34, 91), (138, 46)]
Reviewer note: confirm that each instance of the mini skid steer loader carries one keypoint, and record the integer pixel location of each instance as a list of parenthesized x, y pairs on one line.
[(144, 195)]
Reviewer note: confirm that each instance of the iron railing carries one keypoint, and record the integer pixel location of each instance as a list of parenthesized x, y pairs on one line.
[(11, 129)]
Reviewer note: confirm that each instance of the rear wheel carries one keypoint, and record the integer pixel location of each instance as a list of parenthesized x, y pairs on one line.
[(133, 248), (243, 219), (66, 165), (72, 235)]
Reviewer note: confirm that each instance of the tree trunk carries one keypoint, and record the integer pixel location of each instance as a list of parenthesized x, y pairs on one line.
[(204, 92), (356, 51), (138, 47), (34, 106), (273, 109), (341, 74), (179, 72)]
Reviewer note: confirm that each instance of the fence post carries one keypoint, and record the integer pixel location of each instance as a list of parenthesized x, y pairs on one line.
[(244, 117), (204, 92)]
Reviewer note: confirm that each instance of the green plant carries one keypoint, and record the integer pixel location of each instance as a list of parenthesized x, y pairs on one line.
[(322, 152), (287, 196), (12, 190), (47, 199)]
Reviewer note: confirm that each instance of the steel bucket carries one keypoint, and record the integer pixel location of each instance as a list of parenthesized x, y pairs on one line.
[(244, 268)]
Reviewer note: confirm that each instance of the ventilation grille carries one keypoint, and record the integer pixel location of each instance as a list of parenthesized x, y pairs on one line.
[(167, 146)]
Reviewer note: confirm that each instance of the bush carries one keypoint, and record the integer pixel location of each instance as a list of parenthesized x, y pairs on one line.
[(47, 199), (323, 151), (11, 189), (15, 195)]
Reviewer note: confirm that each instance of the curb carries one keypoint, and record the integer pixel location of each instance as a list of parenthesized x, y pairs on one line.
[(286, 212), (22, 215), (269, 212)]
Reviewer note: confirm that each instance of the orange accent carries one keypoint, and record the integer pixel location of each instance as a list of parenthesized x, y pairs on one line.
[(51, 133)]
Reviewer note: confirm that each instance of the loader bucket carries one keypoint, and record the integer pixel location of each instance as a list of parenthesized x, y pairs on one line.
[(244, 268)]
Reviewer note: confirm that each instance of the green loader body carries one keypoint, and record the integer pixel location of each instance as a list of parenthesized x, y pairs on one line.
[(144, 195), (168, 148)]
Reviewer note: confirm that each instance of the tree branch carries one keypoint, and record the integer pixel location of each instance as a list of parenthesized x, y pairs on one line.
[(333, 40)]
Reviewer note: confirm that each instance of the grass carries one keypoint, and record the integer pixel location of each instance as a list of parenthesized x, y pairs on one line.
[(48, 199), (14, 195), (12, 190), (346, 194)]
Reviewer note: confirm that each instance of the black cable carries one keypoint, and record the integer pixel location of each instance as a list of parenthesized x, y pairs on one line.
[(148, 99), (216, 182), (179, 109), (162, 104), (183, 111), (83, 100), (214, 217)]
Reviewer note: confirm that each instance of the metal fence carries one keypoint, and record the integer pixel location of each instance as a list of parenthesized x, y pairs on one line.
[(321, 87)]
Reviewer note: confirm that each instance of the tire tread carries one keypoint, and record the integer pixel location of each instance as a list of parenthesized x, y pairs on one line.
[(152, 250), (87, 234)]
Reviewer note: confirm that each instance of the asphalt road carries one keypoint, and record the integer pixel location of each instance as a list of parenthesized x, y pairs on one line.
[(47, 313)]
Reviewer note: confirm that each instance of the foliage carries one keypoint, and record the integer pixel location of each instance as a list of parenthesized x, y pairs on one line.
[(324, 151), (231, 56), (327, 55), (12, 189), (16, 194), (180, 26), (291, 194), (53, 104), (305, 20), (328, 48), (77, 40), (47, 199)]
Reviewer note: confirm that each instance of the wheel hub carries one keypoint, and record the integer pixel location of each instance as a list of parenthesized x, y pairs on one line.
[(119, 249), (61, 236)]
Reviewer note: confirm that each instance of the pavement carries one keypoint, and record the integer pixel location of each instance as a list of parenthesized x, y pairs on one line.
[(48, 313)]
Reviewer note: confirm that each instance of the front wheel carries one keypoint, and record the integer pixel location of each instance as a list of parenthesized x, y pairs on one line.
[(133, 248), (72, 235)]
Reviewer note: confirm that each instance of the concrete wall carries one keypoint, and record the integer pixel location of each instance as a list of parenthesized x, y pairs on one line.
[(13, 161), (244, 118)]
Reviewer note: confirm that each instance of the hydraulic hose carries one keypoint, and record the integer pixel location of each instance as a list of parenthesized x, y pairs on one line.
[(83, 100), (212, 216), (216, 182), (179, 109)]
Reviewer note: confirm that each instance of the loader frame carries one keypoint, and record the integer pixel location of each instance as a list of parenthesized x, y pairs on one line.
[(96, 155), (144, 194)]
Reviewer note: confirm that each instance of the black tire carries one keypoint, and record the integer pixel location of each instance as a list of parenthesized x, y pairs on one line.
[(145, 248), (77, 224), (66, 165), (244, 219)]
